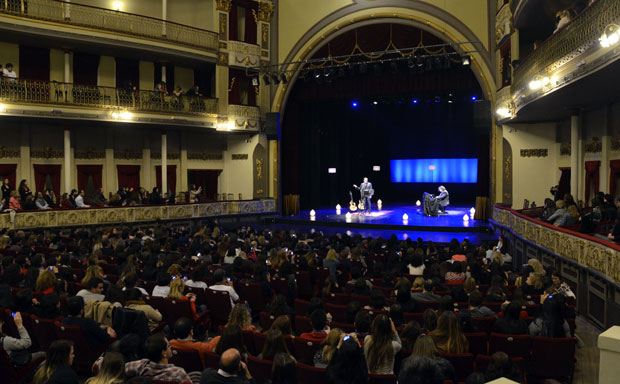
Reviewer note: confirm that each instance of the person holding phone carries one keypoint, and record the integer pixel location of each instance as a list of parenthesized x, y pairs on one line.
[(17, 349), (381, 346), (223, 283)]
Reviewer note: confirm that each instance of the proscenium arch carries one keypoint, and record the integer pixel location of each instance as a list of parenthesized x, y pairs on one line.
[(436, 23)]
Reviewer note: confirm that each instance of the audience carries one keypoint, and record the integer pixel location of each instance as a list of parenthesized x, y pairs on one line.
[(57, 367), (320, 329), (348, 365), (96, 335), (324, 355), (448, 336), (157, 351), (381, 346)]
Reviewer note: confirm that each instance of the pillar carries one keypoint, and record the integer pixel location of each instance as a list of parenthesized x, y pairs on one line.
[(67, 76), (574, 154), (164, 163), (109, 171), (605, 141), (67, 161), (184, 182), (221, 15), (24, 158), (146, 163), (164, 15), (609, 347), (497, 159), (67, 9), (163, 74)]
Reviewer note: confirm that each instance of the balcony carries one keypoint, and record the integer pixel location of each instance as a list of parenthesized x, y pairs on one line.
[(569, 54), (116, 101), (244, 116), (131, 25), (243, 54)]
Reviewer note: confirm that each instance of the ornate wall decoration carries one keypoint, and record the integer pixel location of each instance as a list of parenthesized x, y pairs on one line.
[(565, 149), (595, 146), (503, 24), (243, 54), (507, 171), (265, 9), (89, 154), (47, 153), (240, 156), (245, 111), (8, 153), (127, 155), (205, 156), (223, 5), (534, 152), (223, 26), (222, 59), (223, 45), (259, 172), (264, 32), (170, 156), (615, 143)]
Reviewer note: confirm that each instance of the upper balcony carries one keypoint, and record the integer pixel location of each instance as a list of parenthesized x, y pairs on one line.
[(77, 23), (572, 54)]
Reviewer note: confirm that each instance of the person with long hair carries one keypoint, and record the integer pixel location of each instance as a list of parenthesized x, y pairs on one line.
[(551, 323), (382, 345), (57, 367), (448, 336), (534, 284), (283, 324), (23, 190), (134, 301), (112, 370), (348, 365), (418, 285), (324, 355), (240, 316), (93, 271), (284, 369), (511, 323), (46, 282), (331, 262), (274, 344), (232, 338)]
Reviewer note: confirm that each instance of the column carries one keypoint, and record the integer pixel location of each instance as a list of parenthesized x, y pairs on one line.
[(574, 154), (221, 14), (146, 162), (497, 162), (264, 33), (605, 141), (67, 77), (163, 74), (164, 15), (67, 161), (184, 182), (108, 165), (24, 157), (164, 163), (67, 9), (609, 347)]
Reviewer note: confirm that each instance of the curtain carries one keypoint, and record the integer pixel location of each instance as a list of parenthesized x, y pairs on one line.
[(205, 178), (84, 172), (250, 25), (128, 175), (85, 68), (592, 178), (564, 184), (614, 171), (171, 174), (252, 94), (232, 24), (234, 93), (8, 171), (44, 175), (35, 63), (127, 71)]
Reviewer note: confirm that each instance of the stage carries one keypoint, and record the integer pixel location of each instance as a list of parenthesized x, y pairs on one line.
[(389, 220)]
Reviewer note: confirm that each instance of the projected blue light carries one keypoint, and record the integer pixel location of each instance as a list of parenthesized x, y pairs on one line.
[(354, 104), (434, 170), (474, 98)]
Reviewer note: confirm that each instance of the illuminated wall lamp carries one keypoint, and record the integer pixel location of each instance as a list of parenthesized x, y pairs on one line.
[(611, 36), (503, 113)]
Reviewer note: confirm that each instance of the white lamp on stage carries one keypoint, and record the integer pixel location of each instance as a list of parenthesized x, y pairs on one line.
[(418, 203), (379, 204), (348, 217), (465, 218), (312, 213), (472, 211), (405, 218), (338, 209)]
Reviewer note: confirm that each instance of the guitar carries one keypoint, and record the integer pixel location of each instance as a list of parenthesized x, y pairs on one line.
[(352, 206)]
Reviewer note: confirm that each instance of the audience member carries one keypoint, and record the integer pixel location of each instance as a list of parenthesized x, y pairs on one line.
[(57, 367), (324, 355), (93, 291), (427, 293), (381, 346), (319, 327), (96, 335), (222, 283), (551, 322), (448, 336), (232, 370), (157, 351), (348, 365)]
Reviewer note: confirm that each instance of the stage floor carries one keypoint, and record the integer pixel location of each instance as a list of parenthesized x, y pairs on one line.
[(389, 220)]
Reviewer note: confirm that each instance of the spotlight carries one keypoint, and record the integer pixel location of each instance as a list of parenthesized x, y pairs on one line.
[(411, 62), (275, 78), (419, 61), (474, 98), (354, 104), (465, 60), (415, 101), (255, 81), (375, 102), (283, 78), (266, 79), (428, 65)]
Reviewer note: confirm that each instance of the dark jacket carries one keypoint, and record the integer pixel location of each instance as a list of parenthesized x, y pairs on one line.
[(510, 327), (94, 334), (210, 376), (64, 375)]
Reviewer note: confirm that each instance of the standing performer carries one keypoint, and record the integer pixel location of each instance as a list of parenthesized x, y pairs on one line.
[(366, 193), (443, 198)]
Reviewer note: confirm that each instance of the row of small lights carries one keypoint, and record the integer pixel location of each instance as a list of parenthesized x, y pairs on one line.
[(348, 215)]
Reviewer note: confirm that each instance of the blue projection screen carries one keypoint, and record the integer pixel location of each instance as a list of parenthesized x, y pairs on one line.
[(434, 170)]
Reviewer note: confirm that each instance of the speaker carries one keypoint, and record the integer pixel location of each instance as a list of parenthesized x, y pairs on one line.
[(272, 125), (482, 114)]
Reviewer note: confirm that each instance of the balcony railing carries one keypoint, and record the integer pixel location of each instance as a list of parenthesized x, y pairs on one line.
[(42, 92), (114, 21), (568, 43)]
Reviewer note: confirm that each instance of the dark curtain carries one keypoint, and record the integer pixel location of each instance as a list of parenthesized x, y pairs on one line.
[(128, 175), (171, 173), (94, 172), (169, 75), (8, 171), (232, 24), (592, 178), (204, 78), (127, 71), (234, 93), (614, 172), (34, 63), (250, 24), (85, 68), (44, 174), (205, 178), (564, 184)]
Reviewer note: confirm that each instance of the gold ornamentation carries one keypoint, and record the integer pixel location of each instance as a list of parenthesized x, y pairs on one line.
[(222, 59), (255, 16), (264, 28), (260, 191), (259, 169), (205, 156), (595, 146), (89, 154), (223, 26), (239, 156), (47, 153), (246, 61), (223, 5), (264, 10), (127, 155), (232, 84), (169, 156), (508, 167), (534, 152), (222, 45), (246, 124), (565, 149), (8, 153)]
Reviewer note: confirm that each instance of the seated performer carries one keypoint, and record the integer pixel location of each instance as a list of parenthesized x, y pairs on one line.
[(366, 193), (443, 198)]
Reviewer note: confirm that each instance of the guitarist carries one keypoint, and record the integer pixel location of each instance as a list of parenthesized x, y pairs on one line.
[(366, 193)]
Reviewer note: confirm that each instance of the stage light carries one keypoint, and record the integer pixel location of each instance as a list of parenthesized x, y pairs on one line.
[(331, 170), (503, 112), (535, 84), (349, 233), (474, 98), (275, 78), (255, 81), (411, 62), (375, 102), (418, 203), (312, 218), (472, 211), (415, 101), (348, 217), (125, 115), (312, 213), (283, 78), (465, 218), (115, 115), (405, 236), (354, 104), (118, 5), (465, 60), (379, 204), (2, 108), (338, 209), (317, 73), (266, 79), (405, 217), (376, 168)]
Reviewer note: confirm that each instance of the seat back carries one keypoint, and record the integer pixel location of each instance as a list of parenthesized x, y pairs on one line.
[(307, 374), (463, 364), (301, 307), (424, 305), (381, 379), (413, 316), (212, 360), (85, 355), (484, 324), (126, 320), (220, 302), (248, 341), (337, 311), (8, 371), (252, 293), (189, 360), (176, 309), (261, 369), (512, 345), (43, 330), (302, 324), (266, 319), (201, 297), (305, 350), (477, 343), (363, 300), (156, 302), (259, 340), (553, 357), (348, 328), (304, 284), (338, 298)]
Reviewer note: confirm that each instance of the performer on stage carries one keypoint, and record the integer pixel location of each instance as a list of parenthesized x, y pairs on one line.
[(366, 193), (443, 198)]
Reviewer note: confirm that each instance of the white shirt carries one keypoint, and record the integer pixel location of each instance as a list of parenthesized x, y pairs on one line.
[(161, 291), (144, 292), (79, 201), (88, 295), (9, 74), (417, 271), (231, 291), (196, 284)]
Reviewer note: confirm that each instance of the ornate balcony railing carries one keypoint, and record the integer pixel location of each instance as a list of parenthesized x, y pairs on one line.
[(244, 111), (567, 44), (242, 54), (55, 93), (114, 21)]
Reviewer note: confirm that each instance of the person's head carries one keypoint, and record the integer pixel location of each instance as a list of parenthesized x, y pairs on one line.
[(330, 343), (380, 345), (219, 276), (429, 317), (75, 306), (351, 310), (475, 298), (421, 370), (230, 361), (556, 278), (176, 288), (397, 314), (283, 324), (377, 299), (449, 331), (319, 320), (512, 311), (183, 328), (418, 284), (428, 285), (537, 266), (535, 280), (239, 316), (350, 365), (331, 255), (46, 280), (446, 303), (365, 179), (231, 338), (442, 188), (552, 318), (114, 294), (112, 369), (274, 344), (95, 285), (410, 334), (424, 346), (560, 204), (59, 354), (157, 348), (314, 304), (362, 322), (284, 369), (501, 365), (469, 285), (9, 67)]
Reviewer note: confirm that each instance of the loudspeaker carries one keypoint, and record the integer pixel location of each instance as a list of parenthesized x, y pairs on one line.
[(272, 125), (482, 114)]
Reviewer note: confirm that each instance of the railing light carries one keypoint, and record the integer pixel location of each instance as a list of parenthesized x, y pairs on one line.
[(503, 112), (535, 84), (2, 108), (611, 36)]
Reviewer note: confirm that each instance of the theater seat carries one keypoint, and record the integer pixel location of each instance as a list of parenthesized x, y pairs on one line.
[(189, 360), (260, 369), (307, 374), (553, 358)]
